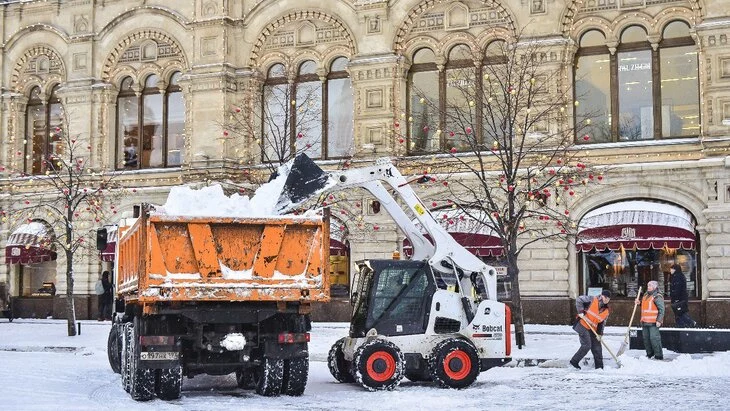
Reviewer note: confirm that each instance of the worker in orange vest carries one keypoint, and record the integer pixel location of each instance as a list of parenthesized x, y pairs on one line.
[(592, 313), (652, 316)]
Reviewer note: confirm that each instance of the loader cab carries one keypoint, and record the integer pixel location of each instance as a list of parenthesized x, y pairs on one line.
[(391, 296)]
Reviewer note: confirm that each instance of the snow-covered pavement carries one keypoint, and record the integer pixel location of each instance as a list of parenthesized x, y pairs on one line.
[(43, 369)]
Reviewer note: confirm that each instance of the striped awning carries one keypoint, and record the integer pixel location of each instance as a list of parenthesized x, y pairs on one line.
[(636, 224), (30, 243), (108, 253)]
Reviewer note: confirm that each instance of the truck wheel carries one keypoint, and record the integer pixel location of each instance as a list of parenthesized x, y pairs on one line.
[(339, 367), (126, 330), (142, 381), (268, 377), (245, 378), (114, 348), (296, 371), (454, 363), (379, 365), (168, 383)]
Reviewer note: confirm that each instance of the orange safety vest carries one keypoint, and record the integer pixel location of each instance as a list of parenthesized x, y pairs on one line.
[(593, 316), (649, 312)]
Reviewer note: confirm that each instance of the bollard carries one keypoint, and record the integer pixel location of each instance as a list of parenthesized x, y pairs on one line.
[(78, 328)]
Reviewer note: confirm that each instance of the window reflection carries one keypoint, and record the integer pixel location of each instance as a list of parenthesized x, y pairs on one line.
[(680, 92), (43, 143), (593, 90), (636, 102)]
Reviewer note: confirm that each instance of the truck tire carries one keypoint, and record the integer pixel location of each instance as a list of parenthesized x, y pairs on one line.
[(126, 330), (168, 383), (245, 378), (269, 377), (379, 365), (296, 371), (339, 367), (142, 380), (114, 348), (454, 363)]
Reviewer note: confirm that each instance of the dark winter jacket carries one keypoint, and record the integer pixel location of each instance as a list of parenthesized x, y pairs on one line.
[(678, 290), (583, 302), (107, 295)]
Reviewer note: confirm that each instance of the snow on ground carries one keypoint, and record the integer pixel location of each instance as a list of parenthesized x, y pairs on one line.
[(43, 369)]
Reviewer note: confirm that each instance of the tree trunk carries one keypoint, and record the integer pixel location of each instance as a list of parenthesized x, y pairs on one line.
[(70, 309), (517, 318)]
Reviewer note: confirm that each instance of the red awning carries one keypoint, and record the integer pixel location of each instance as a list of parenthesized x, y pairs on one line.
[(636, 225), (338, 248), (107, 254), (30, 243)]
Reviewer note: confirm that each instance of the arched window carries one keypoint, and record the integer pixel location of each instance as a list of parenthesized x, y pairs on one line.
[(451, 109), (646, 99), (150, 125), (294, 118), (42, 142)]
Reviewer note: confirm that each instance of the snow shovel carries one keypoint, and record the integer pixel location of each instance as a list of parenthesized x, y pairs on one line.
[(625, 343), (305, 180), (604, 344)]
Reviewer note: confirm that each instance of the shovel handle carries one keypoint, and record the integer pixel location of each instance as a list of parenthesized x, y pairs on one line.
[(604, 344)]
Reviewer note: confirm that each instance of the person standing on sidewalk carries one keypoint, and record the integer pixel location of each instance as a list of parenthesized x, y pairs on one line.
[(104, 291), (592, 313), (652, 316), (680, 298)]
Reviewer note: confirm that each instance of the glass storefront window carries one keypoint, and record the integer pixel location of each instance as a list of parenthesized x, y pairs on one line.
[(623, 271)]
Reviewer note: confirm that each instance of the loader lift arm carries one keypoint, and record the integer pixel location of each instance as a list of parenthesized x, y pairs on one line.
[(444, 255)]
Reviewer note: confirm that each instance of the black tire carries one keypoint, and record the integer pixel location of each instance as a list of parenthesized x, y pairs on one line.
[(126, 366), (296, 371), (114, 348), (454, 363), (340, 368), (168, 383), (142, 380), (245, 378), (379, 365), (269, 377)]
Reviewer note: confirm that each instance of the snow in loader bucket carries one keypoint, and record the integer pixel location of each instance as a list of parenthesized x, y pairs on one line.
[(304, 180)]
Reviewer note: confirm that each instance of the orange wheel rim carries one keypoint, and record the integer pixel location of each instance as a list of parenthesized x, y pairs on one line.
[(457, 365), (381, 366)]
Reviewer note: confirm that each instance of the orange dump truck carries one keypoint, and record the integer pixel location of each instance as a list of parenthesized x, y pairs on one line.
[(217, 296)]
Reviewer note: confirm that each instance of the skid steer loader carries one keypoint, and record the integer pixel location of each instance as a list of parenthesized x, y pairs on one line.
[(434, 317)]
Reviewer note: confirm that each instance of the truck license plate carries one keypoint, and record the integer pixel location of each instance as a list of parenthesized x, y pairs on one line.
[(158, 356)]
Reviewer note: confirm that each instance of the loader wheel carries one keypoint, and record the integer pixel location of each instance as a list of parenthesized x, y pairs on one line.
[(245, 378), (379, 365), (168, 383), (142, 380), (339, 367), (126, 330), (296, 371), (454, 363), (114, 348), (269, 377)]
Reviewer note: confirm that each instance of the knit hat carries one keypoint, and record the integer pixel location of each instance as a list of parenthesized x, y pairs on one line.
[(606, 293)]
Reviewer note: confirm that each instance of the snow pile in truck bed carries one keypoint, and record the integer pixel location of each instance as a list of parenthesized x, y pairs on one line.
[(212, 202)]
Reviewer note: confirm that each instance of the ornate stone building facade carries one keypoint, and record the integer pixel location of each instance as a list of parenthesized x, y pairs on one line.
[(152, 84)]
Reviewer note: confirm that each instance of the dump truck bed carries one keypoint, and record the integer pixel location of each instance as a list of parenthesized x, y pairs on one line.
[(178, 259)]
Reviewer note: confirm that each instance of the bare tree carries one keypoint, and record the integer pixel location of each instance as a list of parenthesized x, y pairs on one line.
[(279, 121), (511, 158), (68, 192)]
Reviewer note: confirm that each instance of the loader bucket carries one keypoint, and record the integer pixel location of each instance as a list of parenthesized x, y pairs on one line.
[(305, 180)]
